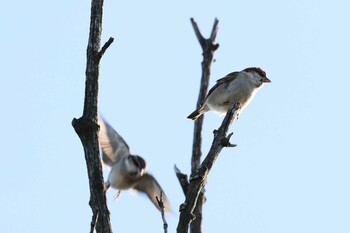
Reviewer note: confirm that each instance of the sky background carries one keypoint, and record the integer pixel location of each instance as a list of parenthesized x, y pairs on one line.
[(290, 171)]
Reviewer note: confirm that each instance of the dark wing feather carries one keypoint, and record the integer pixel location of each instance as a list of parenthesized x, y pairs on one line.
[(112, 144)]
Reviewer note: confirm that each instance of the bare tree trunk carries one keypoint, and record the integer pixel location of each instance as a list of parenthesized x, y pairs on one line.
[(86, 126)]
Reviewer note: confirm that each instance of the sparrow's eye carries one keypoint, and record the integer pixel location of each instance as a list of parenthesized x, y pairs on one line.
[(261, 80)]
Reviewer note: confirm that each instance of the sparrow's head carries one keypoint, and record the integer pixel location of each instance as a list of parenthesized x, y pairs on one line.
[(257, 76), (136, 166)]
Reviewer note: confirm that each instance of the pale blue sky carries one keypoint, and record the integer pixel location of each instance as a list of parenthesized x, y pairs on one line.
[(290, 171)]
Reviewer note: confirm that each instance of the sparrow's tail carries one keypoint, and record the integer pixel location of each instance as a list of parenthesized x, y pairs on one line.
[(198, 112)]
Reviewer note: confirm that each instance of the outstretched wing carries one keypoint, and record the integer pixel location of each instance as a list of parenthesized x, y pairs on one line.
[(112, 144), (150, 186)]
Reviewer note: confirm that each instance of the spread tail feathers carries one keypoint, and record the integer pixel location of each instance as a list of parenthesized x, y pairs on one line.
[(197, 113)]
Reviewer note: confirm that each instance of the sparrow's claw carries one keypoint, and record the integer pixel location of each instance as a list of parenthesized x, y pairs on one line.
[(116, 196)]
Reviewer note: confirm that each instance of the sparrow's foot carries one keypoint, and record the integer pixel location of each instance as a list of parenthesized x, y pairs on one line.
[(116, 196)]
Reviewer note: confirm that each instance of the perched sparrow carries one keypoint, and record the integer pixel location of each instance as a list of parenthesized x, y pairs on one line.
[(127, 171), (235, 87)]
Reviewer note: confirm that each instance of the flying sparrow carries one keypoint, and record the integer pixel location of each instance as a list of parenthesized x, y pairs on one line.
[(235, 87), (127, 171)]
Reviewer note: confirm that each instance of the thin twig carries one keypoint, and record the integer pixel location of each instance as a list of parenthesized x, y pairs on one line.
[(162, 207), (105, 47), (198, 33), (214, 30)]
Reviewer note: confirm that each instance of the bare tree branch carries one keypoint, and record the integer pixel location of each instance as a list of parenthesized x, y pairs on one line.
[(105, 47), (198, 33), (86, 126), (214, 31), (199, 176)]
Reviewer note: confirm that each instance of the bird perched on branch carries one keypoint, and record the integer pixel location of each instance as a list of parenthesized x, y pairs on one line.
[(127, 171), (236, 87)]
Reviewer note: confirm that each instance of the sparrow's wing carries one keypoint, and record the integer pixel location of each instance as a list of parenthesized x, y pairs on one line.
[(112, 144), (228, 78), (150, 186)]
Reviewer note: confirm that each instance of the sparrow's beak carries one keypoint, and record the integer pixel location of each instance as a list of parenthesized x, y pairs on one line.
[(266, 80)]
